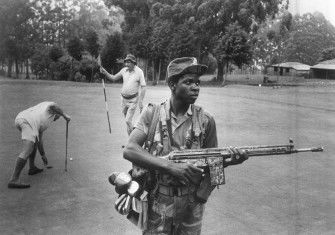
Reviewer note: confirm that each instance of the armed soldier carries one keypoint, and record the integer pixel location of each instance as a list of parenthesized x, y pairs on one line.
[(173, 203)]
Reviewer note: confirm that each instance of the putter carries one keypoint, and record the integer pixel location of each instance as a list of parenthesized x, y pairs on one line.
[(66, 137)]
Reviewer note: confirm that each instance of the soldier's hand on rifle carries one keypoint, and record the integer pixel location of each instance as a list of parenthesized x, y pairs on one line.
[(237, 156), (187, 173)]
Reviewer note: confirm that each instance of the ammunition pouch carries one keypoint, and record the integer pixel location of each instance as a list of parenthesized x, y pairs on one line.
[(204, 190), (214, 176)]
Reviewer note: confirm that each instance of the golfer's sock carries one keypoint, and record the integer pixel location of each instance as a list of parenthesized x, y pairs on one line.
[(32, 158), (20, 163)]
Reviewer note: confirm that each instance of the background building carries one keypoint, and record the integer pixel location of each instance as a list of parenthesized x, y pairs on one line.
[(325, 70)]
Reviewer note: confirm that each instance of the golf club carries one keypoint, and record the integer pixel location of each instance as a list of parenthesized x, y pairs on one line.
[(66, 137)]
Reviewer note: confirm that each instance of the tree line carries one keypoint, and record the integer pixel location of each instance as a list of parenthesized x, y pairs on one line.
[(55, 39), (61, 39)]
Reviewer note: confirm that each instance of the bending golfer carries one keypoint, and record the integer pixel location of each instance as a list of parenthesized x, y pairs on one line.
[(133, 88), (32, 122)]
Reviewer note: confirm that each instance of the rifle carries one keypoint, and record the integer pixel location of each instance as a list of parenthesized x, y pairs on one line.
[(214, 160)]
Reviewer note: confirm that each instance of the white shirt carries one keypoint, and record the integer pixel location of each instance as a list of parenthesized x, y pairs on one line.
[(131, 80), (39, 117)]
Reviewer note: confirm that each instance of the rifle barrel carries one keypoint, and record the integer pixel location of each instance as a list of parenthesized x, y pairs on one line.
[(252, 151), (316, 149)]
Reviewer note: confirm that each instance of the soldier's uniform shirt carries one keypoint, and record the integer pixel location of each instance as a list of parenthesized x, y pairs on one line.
[(34, 120), (170, 214), (180, 127)]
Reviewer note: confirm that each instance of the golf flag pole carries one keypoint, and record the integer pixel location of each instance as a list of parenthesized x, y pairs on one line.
[(66, 137), (99, 60), (104, 87), (106, 104)]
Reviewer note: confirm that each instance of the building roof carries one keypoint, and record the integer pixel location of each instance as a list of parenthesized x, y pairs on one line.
[(293, 65), (327, 64)]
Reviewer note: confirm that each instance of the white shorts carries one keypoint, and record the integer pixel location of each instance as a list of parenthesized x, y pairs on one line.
[(27, 132)]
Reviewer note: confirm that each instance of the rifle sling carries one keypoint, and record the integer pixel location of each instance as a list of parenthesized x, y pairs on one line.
[(152, 128), (169, 127)]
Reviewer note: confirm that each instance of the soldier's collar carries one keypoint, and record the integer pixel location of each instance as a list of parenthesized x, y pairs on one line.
[(189, 111)]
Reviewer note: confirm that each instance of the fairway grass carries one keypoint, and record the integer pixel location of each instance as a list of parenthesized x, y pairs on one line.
[(266, 195)]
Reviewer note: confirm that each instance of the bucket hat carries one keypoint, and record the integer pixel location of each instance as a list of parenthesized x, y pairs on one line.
[(130, 58)]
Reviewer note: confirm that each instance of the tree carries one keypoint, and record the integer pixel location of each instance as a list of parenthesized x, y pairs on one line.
[(270, 41), (40, 61), (194, 17), (159, 50), (94, 15), (233, 47), (75, 48), (327, 54), (183, 43), (92, 46), (55, 53), (88, 67), (17, 32), (114, 49), (92, 43), (311, 34), (53, 20), (213, 17), (139, 43)]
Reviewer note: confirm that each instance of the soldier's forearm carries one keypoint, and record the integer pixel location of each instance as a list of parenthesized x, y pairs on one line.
[(138, 156)]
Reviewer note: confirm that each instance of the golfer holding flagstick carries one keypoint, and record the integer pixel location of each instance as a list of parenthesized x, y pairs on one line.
[(133, 88)]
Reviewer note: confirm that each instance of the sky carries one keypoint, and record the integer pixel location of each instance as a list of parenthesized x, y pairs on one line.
[(326, 7)]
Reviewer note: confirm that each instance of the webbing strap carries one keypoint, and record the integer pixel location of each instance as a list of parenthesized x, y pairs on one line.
[(152, 128), (169, 127), (197, 122), (164, 130)]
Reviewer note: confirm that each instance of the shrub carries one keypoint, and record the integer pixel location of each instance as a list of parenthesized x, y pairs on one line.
[(88, 68), (40, 62), (55, 53)]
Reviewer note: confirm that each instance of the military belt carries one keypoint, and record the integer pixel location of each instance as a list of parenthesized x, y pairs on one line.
[(174, 190)]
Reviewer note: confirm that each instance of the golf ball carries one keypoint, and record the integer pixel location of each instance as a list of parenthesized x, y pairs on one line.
[(71, 158)]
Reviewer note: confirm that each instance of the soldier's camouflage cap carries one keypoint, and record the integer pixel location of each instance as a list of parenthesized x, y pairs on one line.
[(184, 65)]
